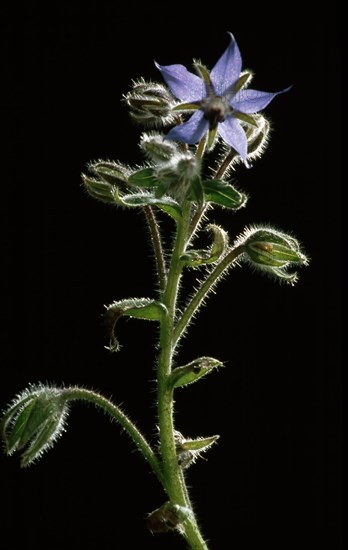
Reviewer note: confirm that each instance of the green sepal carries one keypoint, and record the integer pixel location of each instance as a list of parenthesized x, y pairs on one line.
[(212, 133), (223, 194), (134, 200), (182, 376), (193, 258), (273, 254), (17, 437), (200, 444), (138, 308), (205, 74), (143, 178), (245, 118), (186, 107), (44, 437), (243, 80)]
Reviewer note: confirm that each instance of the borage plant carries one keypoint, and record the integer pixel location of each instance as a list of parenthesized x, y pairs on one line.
[(224, 117)]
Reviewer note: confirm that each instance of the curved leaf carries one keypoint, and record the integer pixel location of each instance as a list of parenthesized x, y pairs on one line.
[(200, 257), (139, 308), (220, 192)]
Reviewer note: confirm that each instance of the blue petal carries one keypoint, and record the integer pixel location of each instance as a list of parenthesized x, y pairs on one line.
[(252, 101), (191, 131), (233, 134), (227, 70), (185, 86)]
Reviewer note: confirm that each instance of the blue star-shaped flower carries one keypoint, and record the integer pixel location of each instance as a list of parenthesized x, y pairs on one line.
[(219, 98)]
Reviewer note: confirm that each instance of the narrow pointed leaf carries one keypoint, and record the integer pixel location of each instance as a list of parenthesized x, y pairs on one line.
[(200, 444), (182, 376), (223, 194)]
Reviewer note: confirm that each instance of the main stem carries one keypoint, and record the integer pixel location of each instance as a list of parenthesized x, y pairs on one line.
[(173, 479)]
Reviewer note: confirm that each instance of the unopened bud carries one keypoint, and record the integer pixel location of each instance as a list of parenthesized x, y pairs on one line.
[(168, 517), (157, 148), (150, 103), (180, 177), (34, 421), (272, 251)]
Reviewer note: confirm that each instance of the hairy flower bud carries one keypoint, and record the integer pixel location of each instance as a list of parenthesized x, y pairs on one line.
[(168, 517), (272, 251), (150, 103), (34, 421), (157, 148), (180, 177)]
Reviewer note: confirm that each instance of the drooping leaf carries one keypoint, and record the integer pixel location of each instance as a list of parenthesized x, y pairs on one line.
[(200, 257), (139, 308)]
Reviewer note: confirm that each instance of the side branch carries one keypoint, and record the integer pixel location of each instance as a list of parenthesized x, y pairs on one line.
[(80, 394), (203, 291)]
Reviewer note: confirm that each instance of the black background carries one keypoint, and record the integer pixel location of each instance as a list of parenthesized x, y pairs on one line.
[(274, 479)]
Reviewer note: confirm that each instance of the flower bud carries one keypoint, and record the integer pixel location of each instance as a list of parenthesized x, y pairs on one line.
[(180, 177), (34, 421), (111, 172), (150, 103), (272, 251), (168, 517), (157, 148)]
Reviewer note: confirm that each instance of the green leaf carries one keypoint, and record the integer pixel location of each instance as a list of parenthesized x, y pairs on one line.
[(143, 178), (182, 376), (200, 444), (200, 257), (220, 192), (138, 308), (165, 203)]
